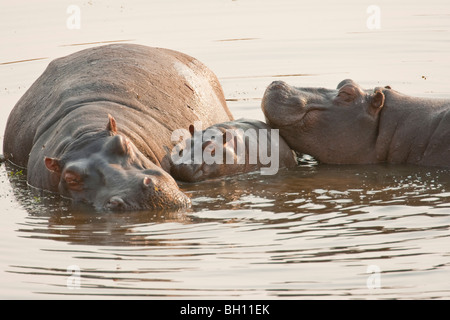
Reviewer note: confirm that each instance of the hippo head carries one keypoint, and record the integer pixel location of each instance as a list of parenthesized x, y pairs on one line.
[(334, 126), (110, 173), (207, 154)]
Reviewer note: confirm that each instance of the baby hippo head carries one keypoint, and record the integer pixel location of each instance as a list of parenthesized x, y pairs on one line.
[(333, 125), (208, 154), (110, 173)]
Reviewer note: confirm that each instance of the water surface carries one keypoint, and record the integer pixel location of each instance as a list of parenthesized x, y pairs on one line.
[(312, 232)]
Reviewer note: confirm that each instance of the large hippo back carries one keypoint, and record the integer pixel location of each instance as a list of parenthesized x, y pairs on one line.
[(149, 91)]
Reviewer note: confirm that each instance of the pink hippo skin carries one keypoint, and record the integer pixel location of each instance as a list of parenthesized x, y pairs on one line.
[(95, 126), (350, 125)]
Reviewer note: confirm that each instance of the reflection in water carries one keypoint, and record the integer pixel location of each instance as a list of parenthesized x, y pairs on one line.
[(321, 223), (53, 217), (325, 189)]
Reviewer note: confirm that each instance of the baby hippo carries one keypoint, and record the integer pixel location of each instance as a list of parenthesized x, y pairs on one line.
[(352, 125), (229, 148)]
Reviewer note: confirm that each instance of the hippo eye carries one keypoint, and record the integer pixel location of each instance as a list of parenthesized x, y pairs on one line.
[(346, 94), (119, 145)]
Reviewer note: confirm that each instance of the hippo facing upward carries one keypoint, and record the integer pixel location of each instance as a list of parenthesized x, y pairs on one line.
[(95, 126), (231, 148), (350, 125)]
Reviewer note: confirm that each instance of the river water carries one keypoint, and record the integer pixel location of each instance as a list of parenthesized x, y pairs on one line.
[(312, 232)]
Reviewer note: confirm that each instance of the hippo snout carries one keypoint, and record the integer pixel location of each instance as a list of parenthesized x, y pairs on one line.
[(282, 104), (278, 91), (278, 85), (155, 191)]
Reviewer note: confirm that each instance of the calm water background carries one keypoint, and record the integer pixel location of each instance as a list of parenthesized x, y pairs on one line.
[(316, 231)]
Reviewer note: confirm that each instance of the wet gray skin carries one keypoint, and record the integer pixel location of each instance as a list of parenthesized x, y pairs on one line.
[(351, 125)]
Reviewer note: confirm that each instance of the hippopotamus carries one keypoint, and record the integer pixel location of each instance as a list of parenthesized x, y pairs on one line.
[(96, 125), (352, 125), (230, 148)]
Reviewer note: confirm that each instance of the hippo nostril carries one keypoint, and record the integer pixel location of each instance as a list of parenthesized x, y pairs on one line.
[(115, 203)]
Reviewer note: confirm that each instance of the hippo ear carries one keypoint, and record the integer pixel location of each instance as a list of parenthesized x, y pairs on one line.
[(111, 126), (192, 129), (377, 102), (53, 164), (227, 137)]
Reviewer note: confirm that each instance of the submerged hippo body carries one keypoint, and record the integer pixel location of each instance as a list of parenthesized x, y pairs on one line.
[(96, 125), (231, 148), (350, 125)]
